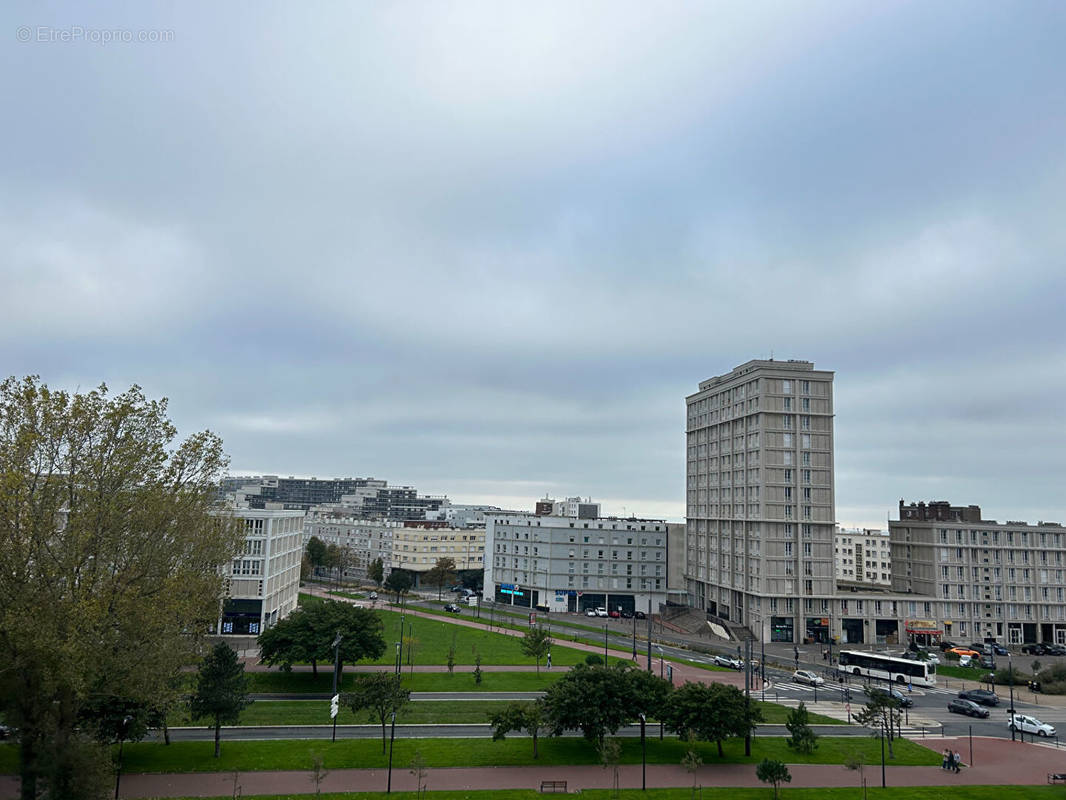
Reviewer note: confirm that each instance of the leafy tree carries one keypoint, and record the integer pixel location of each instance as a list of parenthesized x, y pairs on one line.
[(477, 668), (880, 712), (594, 659), (525, 718), (399, 582), (610, 754), (441, 574), (772, 771), (379, 693), (316, 551), (802, 738), (376, 571), (109, 569), (692, 760), (307, 634), (305, 568), (221, 690), (536, 643), (599, 700), (711, 712)]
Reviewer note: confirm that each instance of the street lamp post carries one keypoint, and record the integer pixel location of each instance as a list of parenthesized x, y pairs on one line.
[(662, 669), (884, 724), (124, 730), (643, 755), (605, 644), (1010, 678), (392, 741), (336, 674)]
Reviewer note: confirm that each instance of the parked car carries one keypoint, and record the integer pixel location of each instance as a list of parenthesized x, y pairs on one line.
[(728, 661), (982, 647), (900, 697), (640, 615), (967, 707), (373, 595), (1021, 722), (999, 649), (964, 651), (590, 612), (808, 677), (601, 611), (946, 645), (988, 662), (1054, 650), (1034, 649), (453, 608), (982, 696), (626, 614), (5, 731), (932, 658), (966, 661), (614, 614)]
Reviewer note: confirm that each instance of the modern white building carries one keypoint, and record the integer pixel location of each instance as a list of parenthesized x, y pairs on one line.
[(862, 556), (262, 584), (568, 563)]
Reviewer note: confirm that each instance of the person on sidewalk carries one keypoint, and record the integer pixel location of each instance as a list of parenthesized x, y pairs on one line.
[(549, 659), (946, 763), (958, 762)]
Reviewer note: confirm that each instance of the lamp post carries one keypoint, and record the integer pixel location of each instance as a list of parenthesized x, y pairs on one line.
[(662, 668), (634, 638), (398, 646), (884, 724), (643, 755), (392, 740), (123, 731), (649, 634), (605, 644), (1010, 678), (336, 674)]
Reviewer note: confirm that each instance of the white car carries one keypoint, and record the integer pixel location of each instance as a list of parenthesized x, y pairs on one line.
[(808, 677), (601, 611), (1021, 722), (929, 657), (965, 661), (590, 612), (728, 661)]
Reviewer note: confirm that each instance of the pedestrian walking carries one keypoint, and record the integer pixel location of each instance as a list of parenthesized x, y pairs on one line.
[(958, 761), (549, 659), (946, 763)]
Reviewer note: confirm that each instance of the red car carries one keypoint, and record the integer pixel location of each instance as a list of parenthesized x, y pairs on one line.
[(613, 614)]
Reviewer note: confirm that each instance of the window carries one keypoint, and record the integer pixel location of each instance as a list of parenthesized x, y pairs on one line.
[(788, 404), (786, 387), (805, 387), (788, 476)]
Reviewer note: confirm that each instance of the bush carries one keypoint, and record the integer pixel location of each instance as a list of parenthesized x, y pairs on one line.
[(1002, 677), (593, 660)]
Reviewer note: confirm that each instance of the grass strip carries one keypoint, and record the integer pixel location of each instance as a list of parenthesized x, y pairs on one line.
[(459, 681)]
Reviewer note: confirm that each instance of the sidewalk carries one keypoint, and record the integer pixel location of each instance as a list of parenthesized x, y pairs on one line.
[(998, 762)]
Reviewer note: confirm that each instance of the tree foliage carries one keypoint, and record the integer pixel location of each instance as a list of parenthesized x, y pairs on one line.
[(399, 582), (221, 690), (598, 700), (316, 551), (772, 771), (527, 718), (880, 712), (536, 643), (441, 574), (307, 634), (379, 693), (710, 712), (376, 571), (110, 549), (802, 737)]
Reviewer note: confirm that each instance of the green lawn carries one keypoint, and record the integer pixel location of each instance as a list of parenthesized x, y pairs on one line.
[(316, 712), (774, 714), (366, 753), (462, 680), (706, 793)]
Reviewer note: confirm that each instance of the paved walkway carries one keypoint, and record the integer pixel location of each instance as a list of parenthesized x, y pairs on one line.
[(997, 762)]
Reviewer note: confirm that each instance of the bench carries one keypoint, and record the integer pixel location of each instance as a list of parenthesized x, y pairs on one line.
[(553, 786), (1056, 777)]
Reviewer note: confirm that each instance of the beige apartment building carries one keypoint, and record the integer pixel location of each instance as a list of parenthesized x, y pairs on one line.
[(862, 557), (760, 501), (986, 579), (418, 544)]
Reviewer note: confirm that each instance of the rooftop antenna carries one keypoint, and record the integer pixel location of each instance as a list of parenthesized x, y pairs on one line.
[(771, 354)]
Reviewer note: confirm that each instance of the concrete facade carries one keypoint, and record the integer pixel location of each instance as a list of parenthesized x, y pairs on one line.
[(760, 498), (862, 556)]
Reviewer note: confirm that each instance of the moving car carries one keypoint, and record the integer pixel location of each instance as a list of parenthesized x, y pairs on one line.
[(5, 731), (900, 697), (453, 608), (808, 677), (982, 696), (728, 661), (373, 595), (967, 707), (1021, 722)]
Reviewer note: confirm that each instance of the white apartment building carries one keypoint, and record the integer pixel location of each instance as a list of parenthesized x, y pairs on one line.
[(760, 499), (263, 583), (365, 539), (983, 579), (571, 564), (863, 556)]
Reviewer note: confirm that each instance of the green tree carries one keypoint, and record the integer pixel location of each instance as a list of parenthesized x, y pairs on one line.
[(599, 700), (710, 712), (536, 643), (880, 712), (376, 571), (316, 551), (109, 569), (441, 574), (221, 690), (307, 634), (802, 738), (525, 718), (399, 582), (379, 693), (772, 771), (610, 755), (692, 761)]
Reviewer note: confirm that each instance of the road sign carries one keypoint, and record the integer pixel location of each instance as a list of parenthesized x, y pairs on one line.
[(334, 706)]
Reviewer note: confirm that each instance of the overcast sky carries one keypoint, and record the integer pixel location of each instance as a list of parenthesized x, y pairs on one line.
[(487, 248)]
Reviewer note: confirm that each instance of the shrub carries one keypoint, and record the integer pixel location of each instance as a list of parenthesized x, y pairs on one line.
[(593, 660)]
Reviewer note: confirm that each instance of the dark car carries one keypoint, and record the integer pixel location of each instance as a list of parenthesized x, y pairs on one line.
[(900, 697), (5, 731), (453, 608), (946, 645), (982, 696), (1034, 649), (640, 615), (1054, 650), (967, 707), (988, 662), (626, 614)]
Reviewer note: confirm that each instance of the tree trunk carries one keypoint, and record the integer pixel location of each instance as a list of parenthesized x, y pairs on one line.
[(28, 766), (535, 755), (719, 743), (314, 667), (218, 736), (382, 735), (166, 732)]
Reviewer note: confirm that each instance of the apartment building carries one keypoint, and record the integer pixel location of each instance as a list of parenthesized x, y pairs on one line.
[(365, 498), (985, 579), (570, 563), (365, 539), (760, 499), (417, 545), (262, 584), (862, 556)]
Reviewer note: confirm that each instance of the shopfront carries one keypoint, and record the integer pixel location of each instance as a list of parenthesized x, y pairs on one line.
[(923, 632), (817, 630), (782, 629)]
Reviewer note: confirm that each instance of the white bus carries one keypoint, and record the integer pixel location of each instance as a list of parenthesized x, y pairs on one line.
[(887, 668)]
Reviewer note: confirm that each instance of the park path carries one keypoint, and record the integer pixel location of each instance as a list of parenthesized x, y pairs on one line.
[(997, 762)]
